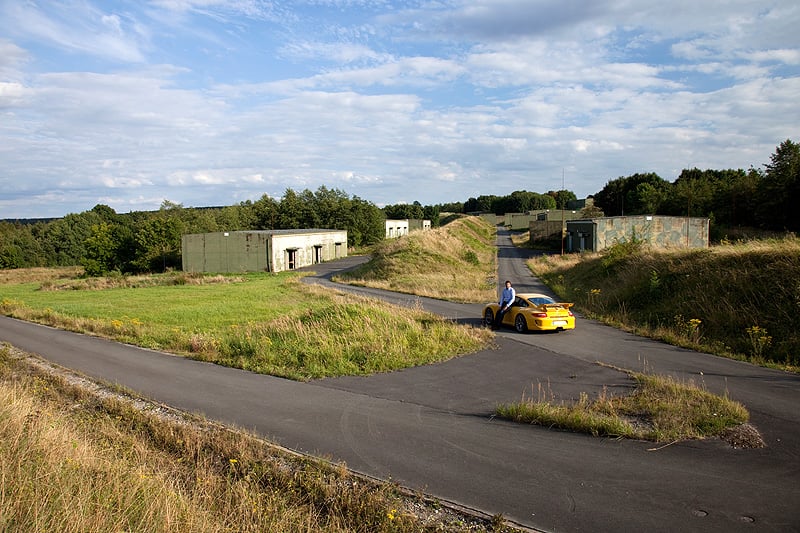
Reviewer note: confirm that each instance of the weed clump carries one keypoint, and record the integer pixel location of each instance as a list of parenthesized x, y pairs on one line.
[(660, 409)]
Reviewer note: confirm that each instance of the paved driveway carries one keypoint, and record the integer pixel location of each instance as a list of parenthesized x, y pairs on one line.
[(430, 428)]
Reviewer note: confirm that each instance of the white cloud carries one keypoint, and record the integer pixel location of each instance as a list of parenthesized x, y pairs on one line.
[(75, 26), (343, 53), (214, 102), (11, 94), (12, 59), (788, 56), (112, 182)]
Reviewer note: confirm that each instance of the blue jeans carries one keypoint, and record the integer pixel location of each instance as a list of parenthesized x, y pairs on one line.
[(500, 314)]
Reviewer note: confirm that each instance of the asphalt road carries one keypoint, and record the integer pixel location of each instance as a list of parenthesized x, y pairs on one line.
[(430, 428)]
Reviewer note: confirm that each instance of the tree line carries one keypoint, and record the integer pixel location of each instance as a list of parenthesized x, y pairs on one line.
[(752, 198), (103, 241), (516, 202)]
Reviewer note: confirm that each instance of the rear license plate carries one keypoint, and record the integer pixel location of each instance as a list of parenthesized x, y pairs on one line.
[(559, 322)]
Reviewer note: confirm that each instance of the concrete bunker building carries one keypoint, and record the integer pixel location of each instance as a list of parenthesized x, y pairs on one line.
[(597, 234), (398, 228), (261, 250)]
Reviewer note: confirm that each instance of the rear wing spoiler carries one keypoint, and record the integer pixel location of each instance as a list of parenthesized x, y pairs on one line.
[(564, 305)]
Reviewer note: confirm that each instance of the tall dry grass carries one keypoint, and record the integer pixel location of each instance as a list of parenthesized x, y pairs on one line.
[(738, 299), (349, 335), (38, 274), (456, 262), (64, 282), (72, 460)]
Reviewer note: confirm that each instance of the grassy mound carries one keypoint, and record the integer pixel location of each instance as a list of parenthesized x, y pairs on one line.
[(455, 262), (736, 299)]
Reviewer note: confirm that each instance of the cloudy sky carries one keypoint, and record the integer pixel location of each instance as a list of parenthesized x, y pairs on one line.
[(129, 103)]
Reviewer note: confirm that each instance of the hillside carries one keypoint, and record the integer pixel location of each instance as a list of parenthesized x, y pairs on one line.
[(739, 299), (455, 262)]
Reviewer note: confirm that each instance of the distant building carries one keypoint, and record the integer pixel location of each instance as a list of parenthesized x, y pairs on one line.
[(545, 231), (491, 218), (515, 221), (577, 205), (597, 234), (419, 224), (265, 250), (396, 228), (540, 218)]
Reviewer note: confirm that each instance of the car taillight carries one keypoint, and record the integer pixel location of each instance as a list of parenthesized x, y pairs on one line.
[(570, 313), (540, 315)]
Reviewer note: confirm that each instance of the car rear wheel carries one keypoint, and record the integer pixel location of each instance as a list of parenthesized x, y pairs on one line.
[(520, 324), (488, 318)]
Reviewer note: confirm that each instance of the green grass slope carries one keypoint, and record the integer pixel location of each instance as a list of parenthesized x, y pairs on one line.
[(740, 300)]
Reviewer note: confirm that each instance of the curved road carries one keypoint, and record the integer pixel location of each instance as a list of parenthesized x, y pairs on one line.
[(430, 428)]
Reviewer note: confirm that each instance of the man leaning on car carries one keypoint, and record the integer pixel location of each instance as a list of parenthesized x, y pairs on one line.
[(506, 299)]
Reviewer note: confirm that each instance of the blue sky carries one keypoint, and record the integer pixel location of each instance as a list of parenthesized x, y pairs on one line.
[(214, 102)]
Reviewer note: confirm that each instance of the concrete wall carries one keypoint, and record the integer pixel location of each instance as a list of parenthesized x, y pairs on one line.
[(660, 231), (234, 251), (418, 224), (545, 230), (542, 220), (292, 249), (253, 251), (549, 225), (518, 221), (491, 218)]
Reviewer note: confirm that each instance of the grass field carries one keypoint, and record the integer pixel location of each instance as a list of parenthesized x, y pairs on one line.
[(265, 323), (660, 409)]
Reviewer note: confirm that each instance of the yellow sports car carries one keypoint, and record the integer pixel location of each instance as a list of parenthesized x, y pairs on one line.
[(535, 312)]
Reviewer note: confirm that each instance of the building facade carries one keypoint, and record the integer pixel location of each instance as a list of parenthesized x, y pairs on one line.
[(396, 228), (597, 234), (261, 251)]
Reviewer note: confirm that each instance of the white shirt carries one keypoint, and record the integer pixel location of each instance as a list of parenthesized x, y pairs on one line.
[(509, 294)]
